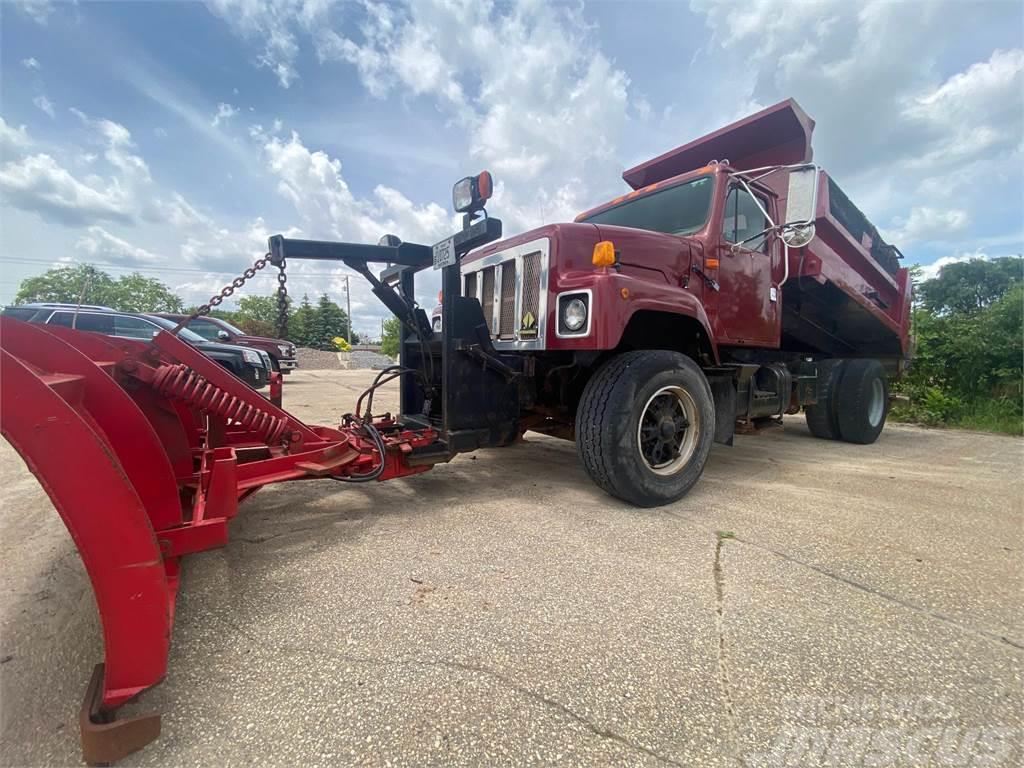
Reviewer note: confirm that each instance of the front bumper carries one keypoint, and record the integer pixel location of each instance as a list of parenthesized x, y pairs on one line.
[(287, 364), (256, 376)]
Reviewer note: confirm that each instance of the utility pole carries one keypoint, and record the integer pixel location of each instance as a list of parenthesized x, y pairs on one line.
[(348, 309)]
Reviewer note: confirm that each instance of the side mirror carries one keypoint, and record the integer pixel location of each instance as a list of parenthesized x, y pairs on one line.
[(801, 207), (223, 335)]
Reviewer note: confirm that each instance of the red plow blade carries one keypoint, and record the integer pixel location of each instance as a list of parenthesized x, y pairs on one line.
[(146, 450)]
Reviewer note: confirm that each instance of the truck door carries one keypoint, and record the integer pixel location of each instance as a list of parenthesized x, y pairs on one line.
[(747, 299)]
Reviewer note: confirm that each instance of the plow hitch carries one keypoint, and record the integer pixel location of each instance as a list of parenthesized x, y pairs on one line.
[(146, 448)]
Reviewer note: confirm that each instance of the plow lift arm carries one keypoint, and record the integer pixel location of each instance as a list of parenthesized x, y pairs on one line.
[(146, 448)]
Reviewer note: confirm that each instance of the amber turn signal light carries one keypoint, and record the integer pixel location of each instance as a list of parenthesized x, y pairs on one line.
[(604, 254)]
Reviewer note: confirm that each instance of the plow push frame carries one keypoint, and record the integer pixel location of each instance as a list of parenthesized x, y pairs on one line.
[(146, 449)]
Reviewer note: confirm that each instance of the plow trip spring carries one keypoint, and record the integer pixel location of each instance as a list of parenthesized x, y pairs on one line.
[(146, 449)]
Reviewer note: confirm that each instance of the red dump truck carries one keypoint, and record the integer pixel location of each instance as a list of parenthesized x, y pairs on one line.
[(734, 284)]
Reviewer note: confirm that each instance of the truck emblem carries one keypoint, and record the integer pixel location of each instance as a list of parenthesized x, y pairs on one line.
[(529, 321)]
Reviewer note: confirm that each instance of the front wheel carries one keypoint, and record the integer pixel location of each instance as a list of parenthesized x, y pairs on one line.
[(645, 425)]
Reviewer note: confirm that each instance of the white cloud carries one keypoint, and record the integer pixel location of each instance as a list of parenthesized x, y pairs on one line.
[(39, 184), (99, 245), (180, 213), (224, 113), (312, 181), (134, 172), (13, 139), (516, 110), (31, 63), (903, 141), (271, 23), (44, 104), (929, 271), (975, 113), (926, 223), (37, 10)]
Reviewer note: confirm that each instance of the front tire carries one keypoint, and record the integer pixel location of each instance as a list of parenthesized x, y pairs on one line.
[(645, 425)]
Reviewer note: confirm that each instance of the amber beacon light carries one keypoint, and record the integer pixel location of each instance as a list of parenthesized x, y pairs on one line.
[(604, 254)]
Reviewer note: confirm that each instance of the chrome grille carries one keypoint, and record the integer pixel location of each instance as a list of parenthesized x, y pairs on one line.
[(487, 298), (531, 293), (507, 318), (512, 288)]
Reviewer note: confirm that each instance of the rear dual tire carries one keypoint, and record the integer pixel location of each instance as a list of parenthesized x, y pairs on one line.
[(853, 401), (645, 425)]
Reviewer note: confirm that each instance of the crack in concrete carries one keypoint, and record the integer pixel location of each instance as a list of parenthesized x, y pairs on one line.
[(995, 637), (598, 731), (724, 683)]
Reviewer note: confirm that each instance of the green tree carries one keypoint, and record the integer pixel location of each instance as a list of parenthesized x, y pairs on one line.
[(969, 286), (389, 340), (84, 282), (330, 321), (69, 284), (967, 368), (135, 293), (257, 315), (300, 323)]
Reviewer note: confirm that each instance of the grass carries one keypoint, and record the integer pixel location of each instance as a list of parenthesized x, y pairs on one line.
[(999, 415), (991, 416)]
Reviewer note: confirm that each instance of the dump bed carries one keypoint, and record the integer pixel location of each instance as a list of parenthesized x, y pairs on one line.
[(846, 292)]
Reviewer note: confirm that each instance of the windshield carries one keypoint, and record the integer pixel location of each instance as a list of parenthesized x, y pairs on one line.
[(184, 334), (677, 210), (234, 329)]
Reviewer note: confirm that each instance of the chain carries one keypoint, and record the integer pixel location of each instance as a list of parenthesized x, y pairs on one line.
[(238, 282), (282, 301)]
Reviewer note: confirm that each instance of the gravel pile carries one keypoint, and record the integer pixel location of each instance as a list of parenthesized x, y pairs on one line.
[(359, 358), (317, 360)]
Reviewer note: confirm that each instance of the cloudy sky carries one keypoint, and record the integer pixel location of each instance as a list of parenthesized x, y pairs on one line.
[(173, 138)]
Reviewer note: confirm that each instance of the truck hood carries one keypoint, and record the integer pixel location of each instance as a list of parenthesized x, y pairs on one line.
[(264, 340), (573, 244)]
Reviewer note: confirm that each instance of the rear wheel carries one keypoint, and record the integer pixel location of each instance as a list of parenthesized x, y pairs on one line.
[(863, 401), (822, 418), (645, 425)]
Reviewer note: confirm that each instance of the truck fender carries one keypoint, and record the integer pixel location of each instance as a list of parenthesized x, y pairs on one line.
[(674, 314)]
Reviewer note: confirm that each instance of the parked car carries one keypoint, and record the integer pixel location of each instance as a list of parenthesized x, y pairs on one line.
[(27, 311), (282, 352), (252, 366)]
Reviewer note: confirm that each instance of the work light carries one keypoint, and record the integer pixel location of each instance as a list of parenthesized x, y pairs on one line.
[(470, 194)]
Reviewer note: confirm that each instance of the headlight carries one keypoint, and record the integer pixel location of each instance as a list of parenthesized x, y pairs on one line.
[(283, 349), (251, 356), (573, 309)]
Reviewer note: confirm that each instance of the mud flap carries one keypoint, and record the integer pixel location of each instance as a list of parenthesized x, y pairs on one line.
[(723, 390)]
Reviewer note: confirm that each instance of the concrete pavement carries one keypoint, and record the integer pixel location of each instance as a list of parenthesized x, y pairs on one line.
[(808, 603)]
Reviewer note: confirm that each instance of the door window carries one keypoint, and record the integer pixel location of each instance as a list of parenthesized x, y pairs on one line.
[(84, 322), (133, 328), (205, 328), (744, 221)]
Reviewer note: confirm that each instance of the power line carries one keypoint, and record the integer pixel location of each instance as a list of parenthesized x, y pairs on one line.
[(183, 270)]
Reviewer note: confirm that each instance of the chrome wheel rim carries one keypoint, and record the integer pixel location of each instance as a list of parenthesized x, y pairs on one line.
[(667, 434), (876, 407)]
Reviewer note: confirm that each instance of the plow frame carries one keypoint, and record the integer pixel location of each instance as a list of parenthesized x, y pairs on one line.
[(145, 451)]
